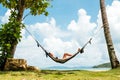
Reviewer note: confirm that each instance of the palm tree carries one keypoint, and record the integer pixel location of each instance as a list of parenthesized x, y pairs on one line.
[(113, 58)]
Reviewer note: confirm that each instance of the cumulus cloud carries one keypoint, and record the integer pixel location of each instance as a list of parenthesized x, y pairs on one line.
[(114, 19), (60, 41), (82, 26), (4, 19), (48, 29)]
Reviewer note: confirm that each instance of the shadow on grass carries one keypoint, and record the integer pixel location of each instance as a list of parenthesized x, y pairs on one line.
[(3, 72), (57, 72)]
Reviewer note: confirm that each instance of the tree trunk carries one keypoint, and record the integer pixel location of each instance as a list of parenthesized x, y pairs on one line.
[(113, 58), (20, 9)]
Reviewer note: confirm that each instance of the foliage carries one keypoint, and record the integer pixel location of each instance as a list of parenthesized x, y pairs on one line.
[(10, 32), (36, 7), (104, 65)]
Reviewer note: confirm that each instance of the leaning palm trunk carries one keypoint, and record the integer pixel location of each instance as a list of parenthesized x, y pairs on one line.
[(113, 58)]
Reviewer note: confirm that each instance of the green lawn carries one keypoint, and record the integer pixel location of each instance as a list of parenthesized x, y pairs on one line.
[(61, 75)]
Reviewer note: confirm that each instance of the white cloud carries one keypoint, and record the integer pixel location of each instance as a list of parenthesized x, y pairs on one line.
[(48, 29), (114, 19), (60, 41), (4, 19), (82, 28)]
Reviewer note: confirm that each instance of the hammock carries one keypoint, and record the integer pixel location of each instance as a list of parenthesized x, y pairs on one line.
[(54, 58), (63, 60)]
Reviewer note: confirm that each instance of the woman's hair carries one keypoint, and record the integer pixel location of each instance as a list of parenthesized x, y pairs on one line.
[(56, 57)]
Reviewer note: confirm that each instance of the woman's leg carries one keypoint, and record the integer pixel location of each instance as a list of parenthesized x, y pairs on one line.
[(51, 54), (66, 54)]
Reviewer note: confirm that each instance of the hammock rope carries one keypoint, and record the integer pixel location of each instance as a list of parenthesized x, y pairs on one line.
[(56, 59), (38, 44)]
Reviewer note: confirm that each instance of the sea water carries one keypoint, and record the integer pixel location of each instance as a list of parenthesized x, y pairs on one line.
[(77, 68)]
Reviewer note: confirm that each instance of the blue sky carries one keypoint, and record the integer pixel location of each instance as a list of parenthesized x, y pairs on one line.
[(69, 25)]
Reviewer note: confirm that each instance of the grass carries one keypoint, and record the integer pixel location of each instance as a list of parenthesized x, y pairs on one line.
[(61, 75)]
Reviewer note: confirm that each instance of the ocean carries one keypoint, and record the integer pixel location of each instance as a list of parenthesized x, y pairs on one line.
[(75, 68)]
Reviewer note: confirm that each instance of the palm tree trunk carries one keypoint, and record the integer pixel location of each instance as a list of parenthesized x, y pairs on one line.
[(113, 58)]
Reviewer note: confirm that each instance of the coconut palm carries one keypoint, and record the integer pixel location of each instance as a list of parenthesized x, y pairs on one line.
[(113, 58)]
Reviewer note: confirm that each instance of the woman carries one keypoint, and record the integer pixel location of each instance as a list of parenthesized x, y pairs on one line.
[(66, 55)]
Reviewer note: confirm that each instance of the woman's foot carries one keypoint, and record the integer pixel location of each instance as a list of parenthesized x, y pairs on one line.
[(79, 49)]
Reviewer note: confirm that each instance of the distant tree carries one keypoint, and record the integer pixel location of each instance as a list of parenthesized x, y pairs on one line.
[(113, 58), (10, 32)]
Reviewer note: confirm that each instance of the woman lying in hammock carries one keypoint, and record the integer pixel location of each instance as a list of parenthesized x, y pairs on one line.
[(66, 55)]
